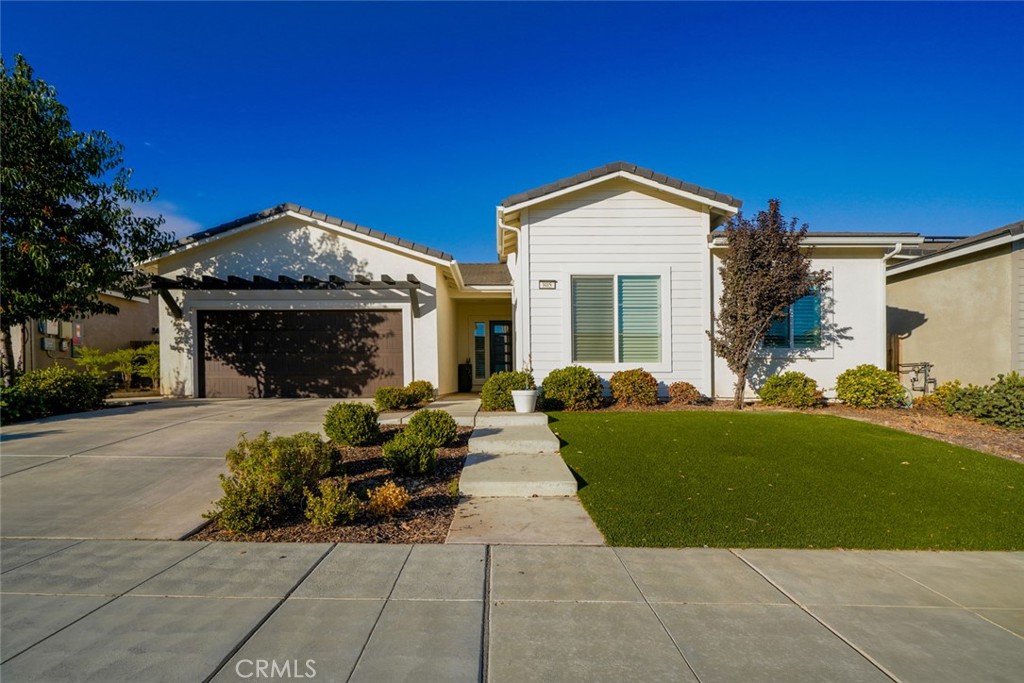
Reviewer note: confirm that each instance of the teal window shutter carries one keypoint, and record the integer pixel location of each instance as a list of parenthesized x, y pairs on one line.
[(639, 318), (593, 319), (807, 322), (778, 333)]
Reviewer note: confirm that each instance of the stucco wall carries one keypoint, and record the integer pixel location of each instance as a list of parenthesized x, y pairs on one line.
[(616, 229), (854, 322), (134, 322), (957, 315), (293, 247)]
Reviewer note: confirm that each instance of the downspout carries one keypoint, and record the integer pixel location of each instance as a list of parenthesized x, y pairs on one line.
[(885, 304), (521, 280)]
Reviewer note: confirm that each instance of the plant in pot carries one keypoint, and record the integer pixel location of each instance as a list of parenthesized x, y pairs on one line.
[(509, 391), (525, 399)]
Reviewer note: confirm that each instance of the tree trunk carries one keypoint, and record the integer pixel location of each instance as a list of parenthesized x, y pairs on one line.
[(8, 356), (739, 389)]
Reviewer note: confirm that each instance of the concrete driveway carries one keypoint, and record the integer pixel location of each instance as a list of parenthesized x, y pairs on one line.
[(137, 472)]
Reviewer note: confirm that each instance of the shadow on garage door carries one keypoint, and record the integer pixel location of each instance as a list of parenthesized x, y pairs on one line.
[(299, 354)]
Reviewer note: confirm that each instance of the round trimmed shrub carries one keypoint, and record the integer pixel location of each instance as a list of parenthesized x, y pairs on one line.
[(684, 394), (635, 387), (409, 455), (434, 427), (388, 499), (391, 398), (419, 391), (790, 390), (352, 424), (333, 505), (496, 393), (867, 386), (572, 388)]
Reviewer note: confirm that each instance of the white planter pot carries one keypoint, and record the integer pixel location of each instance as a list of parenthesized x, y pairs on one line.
[(525, 400)]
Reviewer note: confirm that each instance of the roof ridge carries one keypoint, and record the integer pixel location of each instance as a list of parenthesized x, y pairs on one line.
[(286, 207), (615, 167)]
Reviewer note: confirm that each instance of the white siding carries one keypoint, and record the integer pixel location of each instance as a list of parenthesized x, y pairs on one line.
[(294, 247), (616, 229), (857, 319)]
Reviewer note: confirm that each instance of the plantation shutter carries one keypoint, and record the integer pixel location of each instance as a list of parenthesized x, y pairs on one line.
[(639, 318), (593, 319), (778, 333), (807, 322)]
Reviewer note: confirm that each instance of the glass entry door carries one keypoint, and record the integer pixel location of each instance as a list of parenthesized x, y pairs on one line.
[(492, 349), (501, 346)]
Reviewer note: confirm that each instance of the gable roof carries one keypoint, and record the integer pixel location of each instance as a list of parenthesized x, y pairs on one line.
[(621, 167), (983, 240), (288, 207)]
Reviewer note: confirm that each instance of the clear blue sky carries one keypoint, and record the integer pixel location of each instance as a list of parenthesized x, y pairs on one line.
[(417, 119)]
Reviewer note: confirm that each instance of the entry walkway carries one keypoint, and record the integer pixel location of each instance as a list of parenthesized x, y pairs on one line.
[(186, 611)]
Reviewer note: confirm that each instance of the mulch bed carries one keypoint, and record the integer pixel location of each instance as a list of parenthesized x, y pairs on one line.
[(425, 520), (931, 423)]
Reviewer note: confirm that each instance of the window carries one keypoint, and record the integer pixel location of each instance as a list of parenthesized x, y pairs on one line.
[(799, 327), (616, 319)]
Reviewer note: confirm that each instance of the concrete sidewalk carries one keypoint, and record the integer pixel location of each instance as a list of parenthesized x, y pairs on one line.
[(166, 611)]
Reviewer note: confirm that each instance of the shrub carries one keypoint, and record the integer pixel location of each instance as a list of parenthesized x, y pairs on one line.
[(867, 386), (390, 398), (496, 393), (957, 399), (248, 504), (635, 387), (572, 388), (434, 427), (149, 358), (1002, 403), (684, 394), (352, 424), (125, 362), (92, 361), (334, 505), (927, 402), (388, 499), (52, 391), (419, 391), (790, 390), (282, 466), (407, 454)]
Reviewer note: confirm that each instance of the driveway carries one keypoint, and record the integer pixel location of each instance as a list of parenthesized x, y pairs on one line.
[(190, 611), (137, 472)]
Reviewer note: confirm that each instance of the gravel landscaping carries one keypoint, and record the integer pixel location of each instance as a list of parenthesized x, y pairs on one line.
[(425, 520)]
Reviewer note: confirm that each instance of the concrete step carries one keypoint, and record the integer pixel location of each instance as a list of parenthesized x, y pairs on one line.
[(514, 439), (516, 476), (496, 419), (523, 521)]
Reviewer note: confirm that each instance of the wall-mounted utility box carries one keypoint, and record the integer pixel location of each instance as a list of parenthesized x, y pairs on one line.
[(48, 344)]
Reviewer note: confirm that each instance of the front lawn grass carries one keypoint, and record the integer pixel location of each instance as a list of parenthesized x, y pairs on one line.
[(786, 480)]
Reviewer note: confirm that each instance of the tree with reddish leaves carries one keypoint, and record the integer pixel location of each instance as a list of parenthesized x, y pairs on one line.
[(764, 271), (69, 229)]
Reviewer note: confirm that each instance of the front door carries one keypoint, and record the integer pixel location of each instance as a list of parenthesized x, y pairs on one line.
[(501, 346)]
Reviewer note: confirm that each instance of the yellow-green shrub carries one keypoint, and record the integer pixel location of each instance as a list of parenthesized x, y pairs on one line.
[(790, 390), (334, 505), (867, 386), (572, 388), (635, 387), (388, 499)]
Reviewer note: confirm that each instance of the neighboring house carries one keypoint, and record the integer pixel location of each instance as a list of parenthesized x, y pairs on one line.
[(614, 268), (51, 342), (961, 307)]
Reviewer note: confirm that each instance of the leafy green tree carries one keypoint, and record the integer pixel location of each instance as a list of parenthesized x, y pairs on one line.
[(149, 357), (764, 270), (91, 360), (69, 230), (124, 362)]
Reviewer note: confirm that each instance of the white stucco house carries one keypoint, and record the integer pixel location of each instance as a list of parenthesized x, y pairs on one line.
[(613, 268)]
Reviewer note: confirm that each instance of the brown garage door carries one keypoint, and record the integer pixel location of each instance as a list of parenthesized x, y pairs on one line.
[(327, 354)]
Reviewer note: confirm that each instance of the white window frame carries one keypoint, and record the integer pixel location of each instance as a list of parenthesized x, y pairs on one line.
[(665, 275)]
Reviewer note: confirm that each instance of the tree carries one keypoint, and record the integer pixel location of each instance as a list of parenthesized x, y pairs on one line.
[(69, 230), (124, 362), (764, 270)]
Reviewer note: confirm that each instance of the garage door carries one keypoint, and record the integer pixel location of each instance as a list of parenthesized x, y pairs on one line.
[(289, 354)]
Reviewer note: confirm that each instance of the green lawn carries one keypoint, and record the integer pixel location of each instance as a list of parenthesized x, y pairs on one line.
[(786, 480)]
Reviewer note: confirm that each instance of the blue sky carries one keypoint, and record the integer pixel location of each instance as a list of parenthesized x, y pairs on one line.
[(417, 119)]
